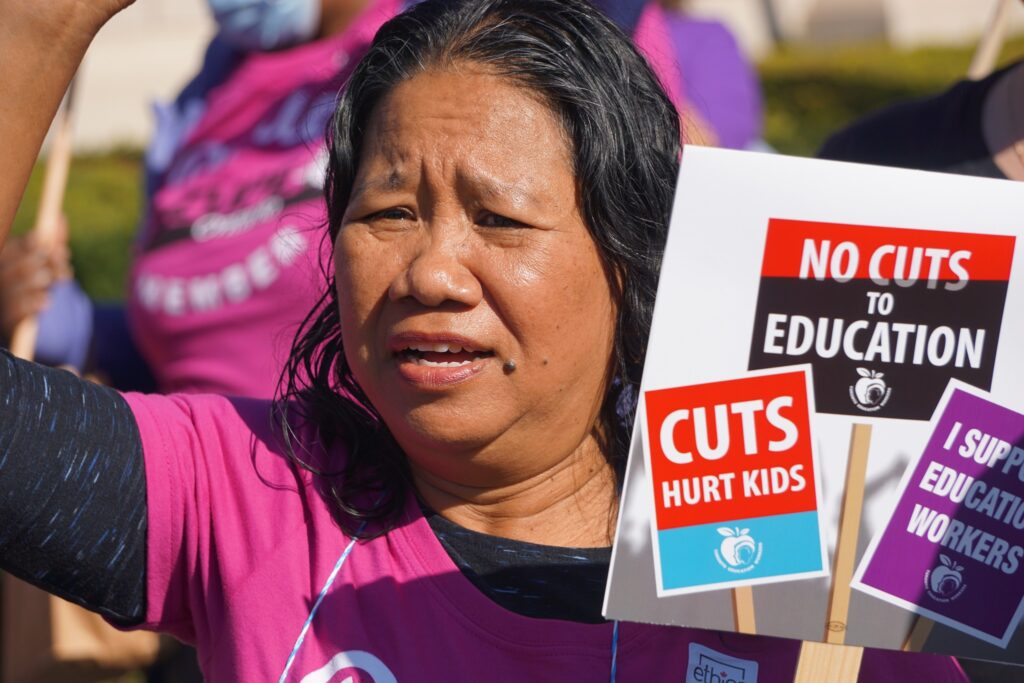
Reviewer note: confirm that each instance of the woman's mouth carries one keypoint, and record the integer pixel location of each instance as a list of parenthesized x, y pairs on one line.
[(441, 355), (439, 363)]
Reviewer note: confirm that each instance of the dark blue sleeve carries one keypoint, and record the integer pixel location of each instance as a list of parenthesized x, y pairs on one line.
[(72, 490), (88, 336), (114, 353), (936, 133)]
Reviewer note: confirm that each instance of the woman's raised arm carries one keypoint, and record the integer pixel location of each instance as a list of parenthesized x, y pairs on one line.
[(41, 46)]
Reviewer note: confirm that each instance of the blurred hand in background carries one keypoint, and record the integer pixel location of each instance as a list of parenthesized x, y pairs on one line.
[(28, 268)]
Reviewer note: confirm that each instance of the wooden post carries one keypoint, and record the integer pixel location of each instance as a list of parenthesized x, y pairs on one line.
[(23, 339), (743, 609), (822, 663), (827, 661), (918, 635), (987, 53), (849, 529)]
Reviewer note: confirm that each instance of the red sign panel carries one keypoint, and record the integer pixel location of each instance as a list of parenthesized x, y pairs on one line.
[(731, 450)]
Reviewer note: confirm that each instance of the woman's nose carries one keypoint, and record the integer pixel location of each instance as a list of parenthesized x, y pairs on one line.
[(437, 272)]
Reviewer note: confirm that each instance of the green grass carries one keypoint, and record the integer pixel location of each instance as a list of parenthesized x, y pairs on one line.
[(103, 202), (809, 93)]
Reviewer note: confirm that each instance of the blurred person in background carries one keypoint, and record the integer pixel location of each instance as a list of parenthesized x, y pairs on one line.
[(723, 91), (973, 128), (226, 255), (701, 67)]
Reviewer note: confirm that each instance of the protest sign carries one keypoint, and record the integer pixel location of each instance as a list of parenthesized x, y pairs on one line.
[(888, 283), (954, 546), (735, 483), (885, 315)]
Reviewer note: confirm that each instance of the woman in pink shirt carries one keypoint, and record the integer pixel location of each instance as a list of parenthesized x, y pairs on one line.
[(433, 495)]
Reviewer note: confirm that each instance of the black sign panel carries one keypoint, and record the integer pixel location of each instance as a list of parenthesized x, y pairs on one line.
[(886, 316)]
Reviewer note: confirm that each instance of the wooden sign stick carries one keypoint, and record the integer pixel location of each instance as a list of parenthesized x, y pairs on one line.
[(23, 339), (743, 610), (918, 635), (833, 663), (826, 661), (987, 53), (849, 529)]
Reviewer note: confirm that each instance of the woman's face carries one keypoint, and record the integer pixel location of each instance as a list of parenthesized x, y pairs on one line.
[(463, 251)]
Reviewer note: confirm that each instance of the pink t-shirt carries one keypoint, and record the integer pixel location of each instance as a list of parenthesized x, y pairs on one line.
[(229, 256), (240, 546)]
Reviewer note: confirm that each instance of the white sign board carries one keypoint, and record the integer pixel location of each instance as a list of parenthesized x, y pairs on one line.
[(887, 283)]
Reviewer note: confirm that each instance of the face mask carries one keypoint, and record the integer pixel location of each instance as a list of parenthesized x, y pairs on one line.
[(625, 13), (261, 25)]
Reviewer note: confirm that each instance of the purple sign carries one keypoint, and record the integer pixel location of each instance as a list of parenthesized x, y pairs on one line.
[(953, 549)]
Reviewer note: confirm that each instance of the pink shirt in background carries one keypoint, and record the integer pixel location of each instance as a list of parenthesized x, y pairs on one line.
[(229, 260), (654, 40)]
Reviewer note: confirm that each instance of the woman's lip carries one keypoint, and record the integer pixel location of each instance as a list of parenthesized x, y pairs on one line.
[(427, 376), (437, 377), (397, 343)]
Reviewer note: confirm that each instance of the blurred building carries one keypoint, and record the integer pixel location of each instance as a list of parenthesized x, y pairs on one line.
[(906, 24), (149, 51), (146, 53)]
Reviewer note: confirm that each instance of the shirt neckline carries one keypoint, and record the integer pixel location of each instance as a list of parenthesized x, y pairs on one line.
[(464, 601)]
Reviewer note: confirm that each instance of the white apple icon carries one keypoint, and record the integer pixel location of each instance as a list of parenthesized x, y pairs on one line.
[(738, 547), (870, 388), (946, 579)]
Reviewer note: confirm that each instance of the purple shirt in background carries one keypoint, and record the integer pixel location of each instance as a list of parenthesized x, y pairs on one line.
[(65, 326), (718, 80)]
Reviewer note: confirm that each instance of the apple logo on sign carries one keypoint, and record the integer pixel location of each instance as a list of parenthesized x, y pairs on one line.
[(870, 392), (945, 583), (738, 551)]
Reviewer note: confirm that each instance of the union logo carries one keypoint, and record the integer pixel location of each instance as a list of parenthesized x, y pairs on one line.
[(945, 583), (738, 552), (870, 392)]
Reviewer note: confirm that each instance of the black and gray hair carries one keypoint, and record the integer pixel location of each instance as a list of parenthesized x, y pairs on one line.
[(625, 146)]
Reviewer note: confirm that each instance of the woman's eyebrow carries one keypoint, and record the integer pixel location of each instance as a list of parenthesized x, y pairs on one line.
[(516, 192), (483, 185), (392, 181)]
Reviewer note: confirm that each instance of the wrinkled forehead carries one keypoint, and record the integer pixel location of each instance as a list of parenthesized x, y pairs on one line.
[(473, 98), (470, 121)]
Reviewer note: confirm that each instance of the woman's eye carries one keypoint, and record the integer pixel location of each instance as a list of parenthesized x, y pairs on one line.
[(493, 220), (391, 215)]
